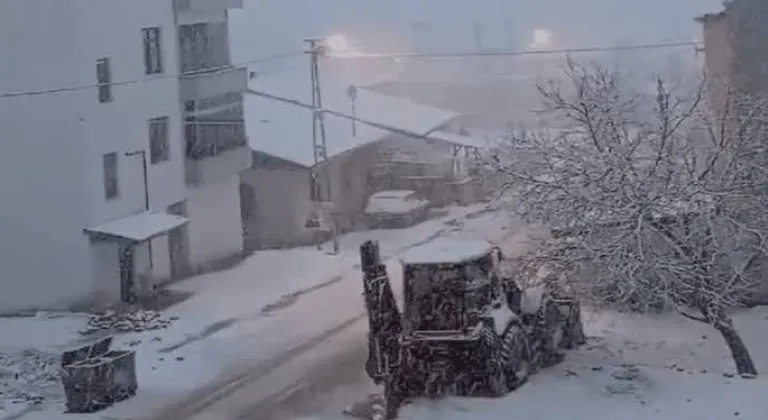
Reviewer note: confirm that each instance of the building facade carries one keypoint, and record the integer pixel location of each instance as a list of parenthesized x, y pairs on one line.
[(216, 146), (735, 58), (108, 185)]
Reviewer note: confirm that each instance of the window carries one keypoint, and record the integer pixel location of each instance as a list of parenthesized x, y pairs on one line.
[(158, 140), (153, 57), (111, 190), (215, 133), (104, 79), (203, 46)]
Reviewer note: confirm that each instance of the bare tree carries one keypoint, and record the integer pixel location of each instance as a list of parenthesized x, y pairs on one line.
[(651, 201)]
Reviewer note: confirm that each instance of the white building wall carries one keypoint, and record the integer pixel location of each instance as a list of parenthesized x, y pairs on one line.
[(215, 230), (52, 145), (122, 125), (43, 252)]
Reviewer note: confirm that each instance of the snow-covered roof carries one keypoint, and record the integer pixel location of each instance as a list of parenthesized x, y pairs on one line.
[(446, 251), (139, 227), (406, 150), (285, 130), (460, 140), (392, 194)]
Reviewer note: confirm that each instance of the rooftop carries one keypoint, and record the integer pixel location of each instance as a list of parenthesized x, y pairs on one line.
[(446, 251), (285, 130)]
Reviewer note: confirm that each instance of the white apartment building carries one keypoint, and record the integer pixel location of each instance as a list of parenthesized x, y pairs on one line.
[(107, 190)]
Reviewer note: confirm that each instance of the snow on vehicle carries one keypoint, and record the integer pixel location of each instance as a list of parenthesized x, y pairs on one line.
[(463, 330), (396, 209)]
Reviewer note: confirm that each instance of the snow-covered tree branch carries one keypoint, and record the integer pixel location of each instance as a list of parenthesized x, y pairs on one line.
[(652, 201)]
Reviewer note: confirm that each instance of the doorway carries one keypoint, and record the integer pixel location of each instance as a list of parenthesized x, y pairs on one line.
[(126, 259), (178, 243), (178, 252)]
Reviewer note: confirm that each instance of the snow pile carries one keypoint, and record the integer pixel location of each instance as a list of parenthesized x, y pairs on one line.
[(28, 377), (138, 321)]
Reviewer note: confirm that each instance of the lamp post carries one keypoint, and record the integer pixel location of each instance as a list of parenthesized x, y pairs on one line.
[(352, 94), (143, 155)]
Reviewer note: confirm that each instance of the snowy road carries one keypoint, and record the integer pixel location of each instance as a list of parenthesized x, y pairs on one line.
[(319, 349)]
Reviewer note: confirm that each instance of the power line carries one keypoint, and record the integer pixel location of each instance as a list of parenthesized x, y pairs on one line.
[(361, 55), (150, 79), (519, 53)]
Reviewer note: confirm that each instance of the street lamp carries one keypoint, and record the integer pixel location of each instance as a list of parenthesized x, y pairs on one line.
[(143, 155)]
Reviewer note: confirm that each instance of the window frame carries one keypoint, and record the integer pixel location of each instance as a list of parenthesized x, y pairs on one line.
[(110, 175), (152, 43), (104, 80), (159, 132)]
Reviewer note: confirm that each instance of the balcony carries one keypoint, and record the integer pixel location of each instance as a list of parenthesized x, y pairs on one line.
[(207, 84), (201, 5), (222, 166)]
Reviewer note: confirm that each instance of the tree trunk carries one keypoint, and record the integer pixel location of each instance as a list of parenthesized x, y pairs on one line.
[(741, 356)]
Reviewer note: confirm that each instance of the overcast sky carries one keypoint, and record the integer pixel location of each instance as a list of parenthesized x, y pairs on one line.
[(275, 26)]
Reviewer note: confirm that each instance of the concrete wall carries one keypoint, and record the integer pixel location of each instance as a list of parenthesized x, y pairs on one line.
[(280, 206), (215, 229)]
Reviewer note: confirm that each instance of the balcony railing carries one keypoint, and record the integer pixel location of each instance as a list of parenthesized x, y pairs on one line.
[(224, 165), (190, 5), (206, 139), (212, 83)]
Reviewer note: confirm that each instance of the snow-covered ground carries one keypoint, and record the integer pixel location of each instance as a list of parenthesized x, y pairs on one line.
[(232, 316), (634, 367), (658, 367)]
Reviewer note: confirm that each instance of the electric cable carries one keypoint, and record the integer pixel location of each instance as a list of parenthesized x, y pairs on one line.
[(466, 54)]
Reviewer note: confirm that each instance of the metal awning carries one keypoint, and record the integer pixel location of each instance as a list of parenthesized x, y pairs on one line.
[(138, 227)]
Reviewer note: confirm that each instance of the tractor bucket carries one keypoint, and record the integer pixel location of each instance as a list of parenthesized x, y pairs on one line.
[(383, 316)]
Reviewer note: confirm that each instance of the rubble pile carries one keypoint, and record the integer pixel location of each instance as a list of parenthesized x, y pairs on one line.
[(137, 321), (28, 377)]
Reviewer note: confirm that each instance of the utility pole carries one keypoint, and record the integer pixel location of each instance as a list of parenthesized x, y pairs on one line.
[(318, 133), (352, 94)]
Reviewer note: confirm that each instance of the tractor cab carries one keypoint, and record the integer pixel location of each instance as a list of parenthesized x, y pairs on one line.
[(449, 285)]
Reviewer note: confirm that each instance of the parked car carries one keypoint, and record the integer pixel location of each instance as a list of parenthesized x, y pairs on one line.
[(396, 209)]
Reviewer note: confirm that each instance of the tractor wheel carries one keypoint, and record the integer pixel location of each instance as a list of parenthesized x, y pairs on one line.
[(496, 376), (554, 334), (498, 382), (516, 356), (574, 328)]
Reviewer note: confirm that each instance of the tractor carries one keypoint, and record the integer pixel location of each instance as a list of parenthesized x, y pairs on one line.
[(464, 329)]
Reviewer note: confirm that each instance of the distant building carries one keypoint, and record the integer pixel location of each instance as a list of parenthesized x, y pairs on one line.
[(279, 193), (736, 59), (82, 221), (736, 62)]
